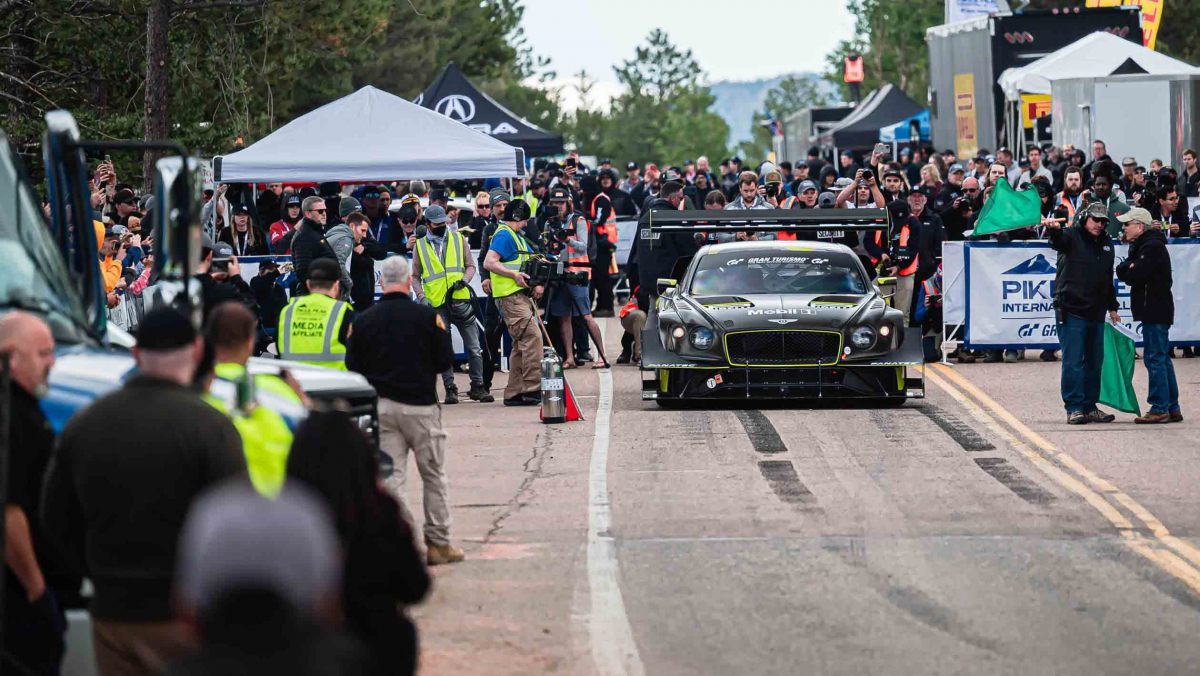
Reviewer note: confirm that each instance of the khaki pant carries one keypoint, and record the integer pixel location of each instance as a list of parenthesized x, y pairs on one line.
[(525, 361), (633, 323), (902, 301), (418, 428), (138, 648)]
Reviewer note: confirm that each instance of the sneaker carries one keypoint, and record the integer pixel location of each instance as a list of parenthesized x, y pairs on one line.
[(1153, 419), (436, 555), (1097, 416), (1049, 355), (623, 358), (451, 395), (480, 393), (1175, 416), (1077, 418), (992, 357), (523, 400), (584, 358)]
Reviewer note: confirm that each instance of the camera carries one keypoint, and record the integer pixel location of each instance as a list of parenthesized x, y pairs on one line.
[(543, 272), (772, 189)]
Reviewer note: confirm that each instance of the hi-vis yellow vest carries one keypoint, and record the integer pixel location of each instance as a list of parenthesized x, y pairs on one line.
[(308, 330), (506, 286), (438, 274), (266, 437)]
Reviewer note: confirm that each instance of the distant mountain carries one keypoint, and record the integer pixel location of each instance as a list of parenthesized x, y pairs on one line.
[(738, 101)]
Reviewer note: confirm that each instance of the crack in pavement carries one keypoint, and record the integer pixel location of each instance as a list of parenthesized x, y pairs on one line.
[(533, 471)]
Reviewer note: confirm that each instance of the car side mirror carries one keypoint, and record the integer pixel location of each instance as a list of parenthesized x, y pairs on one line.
[(665, 285)]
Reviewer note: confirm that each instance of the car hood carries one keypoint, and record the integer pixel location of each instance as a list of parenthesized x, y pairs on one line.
[(746, 312)]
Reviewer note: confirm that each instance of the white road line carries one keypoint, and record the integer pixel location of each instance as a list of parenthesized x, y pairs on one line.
[(613, 648)]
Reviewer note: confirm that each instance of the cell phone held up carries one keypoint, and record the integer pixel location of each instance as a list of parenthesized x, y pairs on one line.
[(571, 162)]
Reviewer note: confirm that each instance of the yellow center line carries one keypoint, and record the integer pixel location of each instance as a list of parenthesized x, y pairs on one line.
[(1181, 547), (1178, 558)]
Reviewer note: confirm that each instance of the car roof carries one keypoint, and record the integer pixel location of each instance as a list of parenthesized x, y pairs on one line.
[(773, 246)]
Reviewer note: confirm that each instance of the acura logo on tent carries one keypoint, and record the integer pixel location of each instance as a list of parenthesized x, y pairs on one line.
[(456, 107)]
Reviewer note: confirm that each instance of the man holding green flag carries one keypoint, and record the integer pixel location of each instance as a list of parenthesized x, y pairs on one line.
[(1083, 292)]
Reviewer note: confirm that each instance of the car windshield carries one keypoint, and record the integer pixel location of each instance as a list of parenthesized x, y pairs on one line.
[(777, 272), (33, 277)]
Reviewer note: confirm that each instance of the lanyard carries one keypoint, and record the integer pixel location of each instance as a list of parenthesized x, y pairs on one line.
[(239, 242), (377, 231)]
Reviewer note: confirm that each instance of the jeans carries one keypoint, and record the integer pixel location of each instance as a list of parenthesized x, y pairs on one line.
[(1082, 359), (470, 337), (1164, 392)]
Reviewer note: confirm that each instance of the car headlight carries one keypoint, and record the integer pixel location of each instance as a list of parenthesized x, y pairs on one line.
[(863, 337), (703, 337)]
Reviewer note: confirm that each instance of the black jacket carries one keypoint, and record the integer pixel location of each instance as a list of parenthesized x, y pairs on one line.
[(1147, 271), (362, 272), (120, 485), (658, 253), (307, 246), (400, 347), (929, 244), (1084, 282)]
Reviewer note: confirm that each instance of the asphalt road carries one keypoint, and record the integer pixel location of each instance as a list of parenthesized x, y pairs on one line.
[(972, 532)]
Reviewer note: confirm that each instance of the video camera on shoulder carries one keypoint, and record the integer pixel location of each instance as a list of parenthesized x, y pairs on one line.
[(543, 272)]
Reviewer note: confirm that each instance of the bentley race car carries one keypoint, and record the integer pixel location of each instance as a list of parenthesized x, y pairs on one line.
[(777, 319)]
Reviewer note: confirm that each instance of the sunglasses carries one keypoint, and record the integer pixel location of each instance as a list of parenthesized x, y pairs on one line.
[(318, 211), (970, 189), (483, 206)]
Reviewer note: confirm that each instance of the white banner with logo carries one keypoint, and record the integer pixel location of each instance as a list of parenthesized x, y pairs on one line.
[(1010, 294)]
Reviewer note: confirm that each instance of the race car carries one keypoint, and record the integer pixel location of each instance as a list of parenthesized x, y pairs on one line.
[(777, 319)]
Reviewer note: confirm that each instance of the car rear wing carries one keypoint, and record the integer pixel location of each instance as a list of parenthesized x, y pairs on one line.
[(768, 220)]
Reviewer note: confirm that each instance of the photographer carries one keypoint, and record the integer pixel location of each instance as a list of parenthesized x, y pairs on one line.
[(960, 212), (1165, 210), (507, 253), (567, 239), (442, 268), (604, 231)]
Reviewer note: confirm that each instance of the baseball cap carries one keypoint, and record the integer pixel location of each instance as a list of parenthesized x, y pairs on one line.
[(119, 229), (1129, 162), (438, 194), (292, 199), (957, 168), (923, 190), (630, 166), (347, 206), (842, 182), (371, 192), (435, 214), (324, 270), (560, 194), (241, 209), (517, 210), (605, 160), (165, 328), (1136, 214), (773, 177), (222, 251), (805, 186), (735, 158), (236, 539), (893, 172), (1098, 210), (826, 200), (125, 196)]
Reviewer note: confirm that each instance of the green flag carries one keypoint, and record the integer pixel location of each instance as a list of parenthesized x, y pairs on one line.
[(1116, 377), (1008, 209)]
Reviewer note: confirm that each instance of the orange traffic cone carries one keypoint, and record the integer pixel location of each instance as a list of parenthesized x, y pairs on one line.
[(573, 411)]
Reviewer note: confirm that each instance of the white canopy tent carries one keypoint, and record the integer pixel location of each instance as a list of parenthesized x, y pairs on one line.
[(1094, 55), (371, 135)]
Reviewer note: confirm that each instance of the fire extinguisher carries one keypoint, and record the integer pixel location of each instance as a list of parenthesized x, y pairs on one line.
[(554, 407)]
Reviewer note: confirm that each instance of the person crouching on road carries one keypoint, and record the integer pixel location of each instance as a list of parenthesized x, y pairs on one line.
[(510, 288), (400, 347), (1084, 290), (1147, 271), (313, 327), (442, 268)]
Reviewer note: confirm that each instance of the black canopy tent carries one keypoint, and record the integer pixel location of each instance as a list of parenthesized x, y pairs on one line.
[(454, 96), (860, 129)]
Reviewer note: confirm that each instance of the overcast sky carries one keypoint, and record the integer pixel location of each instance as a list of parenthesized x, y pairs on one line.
[(739, 40)]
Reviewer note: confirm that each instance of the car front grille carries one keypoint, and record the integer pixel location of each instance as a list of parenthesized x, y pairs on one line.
[(783, 348)]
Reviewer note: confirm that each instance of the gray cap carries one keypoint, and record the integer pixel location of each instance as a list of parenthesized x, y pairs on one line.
[(234, 539), (435, 214), (222, 251), (957, 168), (805, 185), (347, 206), (499, 195), (827, 200)]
